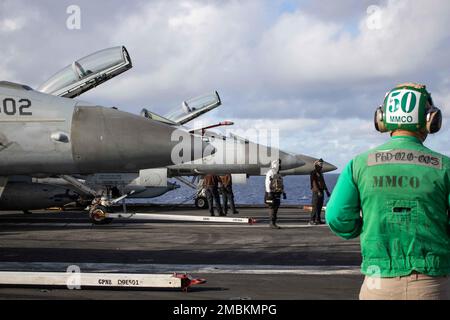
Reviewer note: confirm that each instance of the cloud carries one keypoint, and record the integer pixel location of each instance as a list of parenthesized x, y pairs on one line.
[(307, 65), (314, 69), (301, 51), (11, 25)]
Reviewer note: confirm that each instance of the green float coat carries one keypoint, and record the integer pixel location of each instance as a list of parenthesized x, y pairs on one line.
[(396, 197)]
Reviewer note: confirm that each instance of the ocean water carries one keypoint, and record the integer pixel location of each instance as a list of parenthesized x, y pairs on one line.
[(297, 190)]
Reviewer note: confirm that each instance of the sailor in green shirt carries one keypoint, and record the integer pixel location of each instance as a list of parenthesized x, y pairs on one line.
[(396, 197)]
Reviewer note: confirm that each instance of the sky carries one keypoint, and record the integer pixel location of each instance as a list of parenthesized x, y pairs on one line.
[(315, 70)]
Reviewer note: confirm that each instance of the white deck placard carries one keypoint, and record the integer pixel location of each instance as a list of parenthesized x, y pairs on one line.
[(80, 280)]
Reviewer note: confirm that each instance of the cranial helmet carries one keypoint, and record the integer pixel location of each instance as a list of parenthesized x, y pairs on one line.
[(275, 165), (318, 163), (409, 107)]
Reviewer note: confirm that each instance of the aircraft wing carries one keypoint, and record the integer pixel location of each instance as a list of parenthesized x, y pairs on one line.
[(88, 72)]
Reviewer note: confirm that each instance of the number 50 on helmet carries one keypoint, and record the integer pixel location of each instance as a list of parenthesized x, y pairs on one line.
[(408, 107)]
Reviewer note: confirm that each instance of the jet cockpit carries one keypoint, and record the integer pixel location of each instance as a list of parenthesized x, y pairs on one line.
[(88, 72)]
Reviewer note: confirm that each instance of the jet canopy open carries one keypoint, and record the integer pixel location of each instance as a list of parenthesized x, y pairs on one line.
[(88, 72), (190, 109), (193, 108)]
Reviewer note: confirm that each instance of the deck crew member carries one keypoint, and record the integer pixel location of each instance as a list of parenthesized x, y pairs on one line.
[(226, 188), (274, 188), (318, 187), (211, 184), (396, 198)]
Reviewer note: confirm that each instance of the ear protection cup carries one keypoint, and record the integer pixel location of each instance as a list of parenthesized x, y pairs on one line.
[(378, 120), (434, 120)]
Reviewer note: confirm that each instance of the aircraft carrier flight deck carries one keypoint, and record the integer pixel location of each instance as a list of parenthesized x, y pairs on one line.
[(238, 261)]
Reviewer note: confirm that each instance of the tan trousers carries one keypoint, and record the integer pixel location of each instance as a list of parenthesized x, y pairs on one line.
[(413, 287)]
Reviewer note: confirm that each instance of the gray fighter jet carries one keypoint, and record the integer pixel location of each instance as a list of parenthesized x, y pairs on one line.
[(43, 135), (46, 133), (95, 69), (308, 167)]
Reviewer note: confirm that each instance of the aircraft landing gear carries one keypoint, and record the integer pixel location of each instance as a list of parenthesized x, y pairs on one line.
[(201, 202), (99, 214), (101, 207)]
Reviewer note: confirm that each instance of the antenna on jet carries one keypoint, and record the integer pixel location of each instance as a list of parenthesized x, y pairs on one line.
[(220, 124)]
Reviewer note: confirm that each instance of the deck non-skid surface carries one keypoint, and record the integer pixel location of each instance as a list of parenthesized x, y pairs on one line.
[(238, 261)]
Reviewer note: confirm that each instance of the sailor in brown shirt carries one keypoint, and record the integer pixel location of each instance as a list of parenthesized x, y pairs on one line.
[(211, 184), (318, 186), (226, 188)]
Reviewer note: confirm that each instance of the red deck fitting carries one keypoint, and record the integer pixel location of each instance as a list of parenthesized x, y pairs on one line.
[(187, 281)]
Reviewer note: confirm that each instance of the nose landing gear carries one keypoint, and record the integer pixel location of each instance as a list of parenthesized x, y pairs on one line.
[(201, 202), (100, 209), (99, 215)]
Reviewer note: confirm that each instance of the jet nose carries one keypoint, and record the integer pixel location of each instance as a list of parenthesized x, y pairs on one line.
[(289, 161), (109, 140), (308, 166), (328, 167)]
